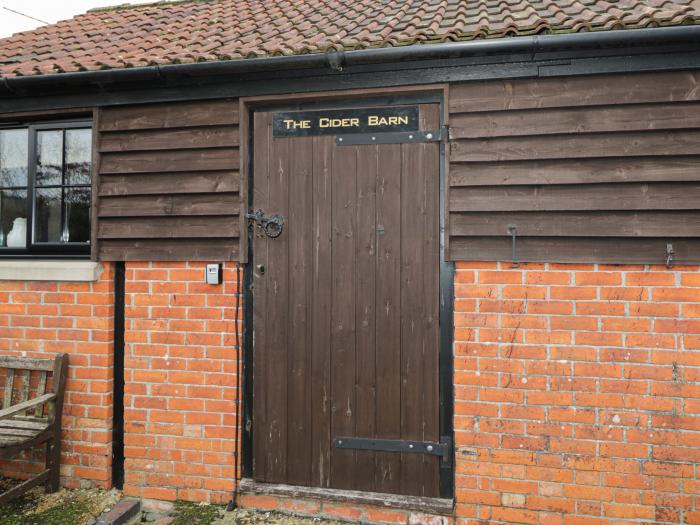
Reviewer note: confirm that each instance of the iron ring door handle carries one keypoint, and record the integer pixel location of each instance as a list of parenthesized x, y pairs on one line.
[(271, 225)]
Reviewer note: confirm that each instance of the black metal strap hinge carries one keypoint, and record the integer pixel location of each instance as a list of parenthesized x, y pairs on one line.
[(390, 137), (442, 449)]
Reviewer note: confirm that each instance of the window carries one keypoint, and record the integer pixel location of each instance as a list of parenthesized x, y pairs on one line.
[(45, 182)]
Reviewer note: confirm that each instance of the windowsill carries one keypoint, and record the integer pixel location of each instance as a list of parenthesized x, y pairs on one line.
[(45, 270)]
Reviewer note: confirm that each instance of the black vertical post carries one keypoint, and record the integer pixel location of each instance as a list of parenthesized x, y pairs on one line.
[(447, 276), (118, 418)]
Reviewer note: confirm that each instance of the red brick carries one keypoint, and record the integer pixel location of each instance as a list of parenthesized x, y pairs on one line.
[(342, 511), (598, 278), (386, 516), (573, 292), (547, 277)]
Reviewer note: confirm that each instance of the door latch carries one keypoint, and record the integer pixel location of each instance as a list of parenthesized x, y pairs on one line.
[(271, 225)]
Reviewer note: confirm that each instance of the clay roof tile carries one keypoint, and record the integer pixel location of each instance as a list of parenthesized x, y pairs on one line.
[(184, 31)]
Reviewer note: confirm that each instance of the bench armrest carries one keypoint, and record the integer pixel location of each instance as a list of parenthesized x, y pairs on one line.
[(25, 405)]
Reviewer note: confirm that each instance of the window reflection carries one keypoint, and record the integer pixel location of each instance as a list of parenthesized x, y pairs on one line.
[(59, 200), (49, 158), (62, 203), (14, 156), (14, 167)]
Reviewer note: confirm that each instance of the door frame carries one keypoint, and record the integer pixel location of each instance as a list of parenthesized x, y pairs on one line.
[(437, 94)]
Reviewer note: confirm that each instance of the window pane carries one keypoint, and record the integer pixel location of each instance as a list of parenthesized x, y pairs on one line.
[(49, 158), (13, 222), (47, 219), (78, 156), (77, 206), (75, 212), (13, 157)]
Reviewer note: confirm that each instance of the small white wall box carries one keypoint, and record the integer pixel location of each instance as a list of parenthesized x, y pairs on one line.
[(214, 273)]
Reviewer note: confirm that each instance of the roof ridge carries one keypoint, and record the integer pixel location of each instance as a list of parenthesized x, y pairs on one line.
[(156, 3)]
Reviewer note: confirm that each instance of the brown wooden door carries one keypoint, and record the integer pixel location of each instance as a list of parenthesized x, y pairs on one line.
[(346, 310)]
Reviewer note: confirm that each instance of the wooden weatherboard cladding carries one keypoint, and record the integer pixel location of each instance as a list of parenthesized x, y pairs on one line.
[(586, 169), (168, 182)]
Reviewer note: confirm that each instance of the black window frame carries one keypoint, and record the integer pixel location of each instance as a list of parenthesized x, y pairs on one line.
[(49, 250)]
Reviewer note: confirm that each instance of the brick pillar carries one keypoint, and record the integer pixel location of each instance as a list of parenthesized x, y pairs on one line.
[(40, 318), (180, 375)]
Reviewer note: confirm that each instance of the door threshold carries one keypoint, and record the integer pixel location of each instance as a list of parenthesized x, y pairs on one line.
[(392, 501)]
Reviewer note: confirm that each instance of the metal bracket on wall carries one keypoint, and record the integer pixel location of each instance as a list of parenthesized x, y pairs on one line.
[(670, 252), (513, 231), (442, 449), (390, 137)]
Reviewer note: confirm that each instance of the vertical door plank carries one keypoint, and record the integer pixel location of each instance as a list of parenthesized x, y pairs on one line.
[(343, 367), (299, 233), (365, 312), (261, 441), (388, 323), (431, 303), (412, 218), (320, 382), (277, 286)]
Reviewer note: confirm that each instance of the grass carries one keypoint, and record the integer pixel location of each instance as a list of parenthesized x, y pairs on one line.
[(66, 507), (193, 514)]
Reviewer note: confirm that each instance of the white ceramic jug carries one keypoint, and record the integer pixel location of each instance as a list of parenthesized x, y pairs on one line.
[(17, 238)]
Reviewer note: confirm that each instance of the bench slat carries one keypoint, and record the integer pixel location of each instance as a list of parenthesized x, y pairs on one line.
[(9, 385), (44, 420), (5, 413), (40, 391), (24, 487), (26, 363), (17, 432), (20, 423), (26, 379)]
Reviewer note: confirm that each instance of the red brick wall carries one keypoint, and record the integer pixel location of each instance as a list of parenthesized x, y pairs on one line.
[(577, 387), (39, 318), (180, 375)]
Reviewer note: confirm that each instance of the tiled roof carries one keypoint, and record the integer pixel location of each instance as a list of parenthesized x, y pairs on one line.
[(206, 30)]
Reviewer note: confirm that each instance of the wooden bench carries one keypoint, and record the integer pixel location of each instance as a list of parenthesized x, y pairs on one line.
[(31, 417)]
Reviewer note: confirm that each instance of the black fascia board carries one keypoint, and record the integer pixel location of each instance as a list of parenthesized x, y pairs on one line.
[(629, 50)]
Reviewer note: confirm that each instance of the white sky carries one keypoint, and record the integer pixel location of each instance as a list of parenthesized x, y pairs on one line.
[(47, 10)]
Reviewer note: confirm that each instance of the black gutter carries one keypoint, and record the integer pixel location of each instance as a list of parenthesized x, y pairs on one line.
[(529, 45)]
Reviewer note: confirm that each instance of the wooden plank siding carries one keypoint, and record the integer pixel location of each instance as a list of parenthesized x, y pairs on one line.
[(168, 182), (591, 169)]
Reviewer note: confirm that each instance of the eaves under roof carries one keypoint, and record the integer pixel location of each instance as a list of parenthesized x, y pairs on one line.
[(193, 31)]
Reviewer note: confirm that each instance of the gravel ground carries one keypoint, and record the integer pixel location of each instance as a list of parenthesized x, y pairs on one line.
[(248, 517), (65, 507), (80, 506), (186, 513)]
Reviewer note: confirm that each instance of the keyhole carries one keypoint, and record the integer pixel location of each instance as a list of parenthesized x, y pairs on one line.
[(261, 269)]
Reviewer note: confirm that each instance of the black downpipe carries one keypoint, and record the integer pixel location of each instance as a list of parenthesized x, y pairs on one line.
[(239, 379), (118, 403)]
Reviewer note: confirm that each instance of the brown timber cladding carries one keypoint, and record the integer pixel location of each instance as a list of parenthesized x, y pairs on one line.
[(168, 182), (590, 169)]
